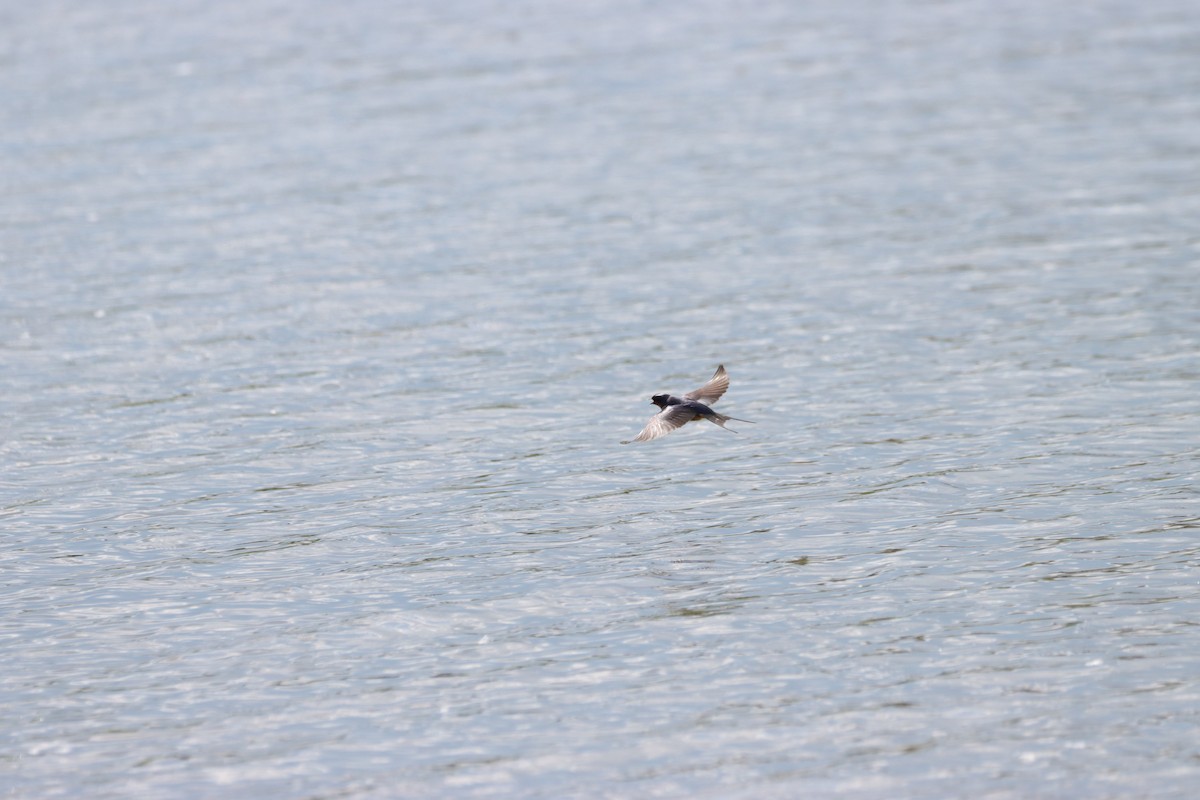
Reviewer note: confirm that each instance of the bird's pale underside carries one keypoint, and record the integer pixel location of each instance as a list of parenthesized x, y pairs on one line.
[(678, 411)]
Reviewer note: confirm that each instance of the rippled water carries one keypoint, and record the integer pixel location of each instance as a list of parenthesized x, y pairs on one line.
[(320, 325)]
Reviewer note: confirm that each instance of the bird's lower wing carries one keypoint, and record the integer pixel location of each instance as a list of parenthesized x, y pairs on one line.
[(711, 392), (664, 422)]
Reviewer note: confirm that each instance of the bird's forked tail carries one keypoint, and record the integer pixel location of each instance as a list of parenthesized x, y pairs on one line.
[(721, 419)]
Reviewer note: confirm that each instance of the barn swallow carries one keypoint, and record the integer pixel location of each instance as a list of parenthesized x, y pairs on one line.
[(679, 411)]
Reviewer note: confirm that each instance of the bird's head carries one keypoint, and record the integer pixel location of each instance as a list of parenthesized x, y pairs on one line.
[(660, 400)]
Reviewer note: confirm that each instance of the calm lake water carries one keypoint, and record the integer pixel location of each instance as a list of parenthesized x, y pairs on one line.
[(321, 324)]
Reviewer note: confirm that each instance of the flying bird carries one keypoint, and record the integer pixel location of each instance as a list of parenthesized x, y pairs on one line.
[(679, 411)]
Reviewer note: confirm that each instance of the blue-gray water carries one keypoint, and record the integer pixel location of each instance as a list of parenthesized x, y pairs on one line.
[(321, 323)]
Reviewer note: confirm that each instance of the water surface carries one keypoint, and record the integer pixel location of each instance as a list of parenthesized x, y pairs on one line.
[(320, 327)]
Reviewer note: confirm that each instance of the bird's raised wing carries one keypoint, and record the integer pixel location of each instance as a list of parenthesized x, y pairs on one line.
[(711, 392), (664, 422)]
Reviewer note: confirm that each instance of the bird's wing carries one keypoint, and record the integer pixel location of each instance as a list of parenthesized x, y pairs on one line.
[(664, 422), (711, 392)]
